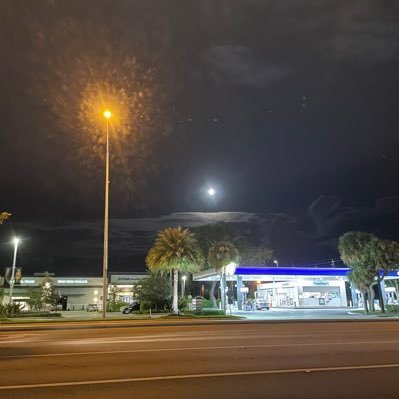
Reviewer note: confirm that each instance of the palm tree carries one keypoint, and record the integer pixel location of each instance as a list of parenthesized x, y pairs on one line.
[(220, 255), (174, 250)]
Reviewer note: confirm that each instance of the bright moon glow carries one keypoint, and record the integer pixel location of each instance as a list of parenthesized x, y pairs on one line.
[(107, 114), (211, 192)]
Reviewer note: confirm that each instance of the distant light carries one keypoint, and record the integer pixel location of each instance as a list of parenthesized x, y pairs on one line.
[(184, 277), (211, 192), (276, 262), (15, 240), (231, 268), (107, 114)]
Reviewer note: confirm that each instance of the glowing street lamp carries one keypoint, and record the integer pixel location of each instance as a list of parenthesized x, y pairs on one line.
[(275, 262), (107, 115), (16, 242), (211, 192), (183, 286)]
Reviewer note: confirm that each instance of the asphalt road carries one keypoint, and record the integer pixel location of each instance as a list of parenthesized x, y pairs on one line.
[(230, 360)]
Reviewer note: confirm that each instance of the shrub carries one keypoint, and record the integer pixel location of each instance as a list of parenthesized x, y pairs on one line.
[(115, 306), (212, 311), (152, 311), (10, 310), (208, 304), (184, 303), (392, 308), (39, 314)]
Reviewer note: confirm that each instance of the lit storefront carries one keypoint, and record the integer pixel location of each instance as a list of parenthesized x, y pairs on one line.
[(304, 293), (125, 283), (78, 291), (296, 287)]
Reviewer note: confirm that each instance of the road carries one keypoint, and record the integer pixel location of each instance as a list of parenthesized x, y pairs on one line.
[(232, 360)]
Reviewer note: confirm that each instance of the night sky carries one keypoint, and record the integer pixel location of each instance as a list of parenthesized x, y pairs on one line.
[(289, 109)]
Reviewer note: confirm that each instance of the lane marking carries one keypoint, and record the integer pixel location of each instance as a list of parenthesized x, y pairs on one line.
[(198, 348), (203, 375), (145, 338)]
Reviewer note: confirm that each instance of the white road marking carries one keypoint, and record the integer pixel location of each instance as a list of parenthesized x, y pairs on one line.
[(200, 348), (204, 375), (37, 337)]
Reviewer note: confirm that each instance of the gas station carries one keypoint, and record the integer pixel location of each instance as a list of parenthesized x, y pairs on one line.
[(297, 287)]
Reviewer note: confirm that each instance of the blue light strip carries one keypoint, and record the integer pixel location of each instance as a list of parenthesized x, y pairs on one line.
[(296, 271), (292, 271)]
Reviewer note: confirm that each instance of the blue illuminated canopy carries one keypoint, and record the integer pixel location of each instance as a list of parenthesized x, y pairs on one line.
[(292, 271), (296, 271)]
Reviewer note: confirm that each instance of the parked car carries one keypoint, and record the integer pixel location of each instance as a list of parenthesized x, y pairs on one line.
[(92, 307), (131, 308), (261, 304)]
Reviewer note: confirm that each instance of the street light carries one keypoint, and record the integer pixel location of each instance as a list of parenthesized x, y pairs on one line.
[(107, 115), (211, 192), (275, 262), (16, 242), (183, 286)]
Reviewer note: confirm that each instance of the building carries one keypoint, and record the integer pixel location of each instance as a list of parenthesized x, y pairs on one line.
[(124, 284), (297, 287), (78, 292)]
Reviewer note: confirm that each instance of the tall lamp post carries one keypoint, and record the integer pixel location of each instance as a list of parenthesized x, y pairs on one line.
[(16, 242), (107, 115)]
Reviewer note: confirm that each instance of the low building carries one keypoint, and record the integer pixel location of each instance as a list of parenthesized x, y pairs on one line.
[(78, 292), (296, 287), (124, 284)]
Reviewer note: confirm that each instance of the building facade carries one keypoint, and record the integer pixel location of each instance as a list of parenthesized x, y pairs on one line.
[(296, 287), (79, 292)]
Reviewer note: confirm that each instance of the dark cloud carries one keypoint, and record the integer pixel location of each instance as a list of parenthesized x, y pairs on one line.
[(240, 66), (307, 237)]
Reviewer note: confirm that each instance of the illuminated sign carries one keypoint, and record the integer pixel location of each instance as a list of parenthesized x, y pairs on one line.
[(27, 281), (321, 283), (126, 279), (67, 281)]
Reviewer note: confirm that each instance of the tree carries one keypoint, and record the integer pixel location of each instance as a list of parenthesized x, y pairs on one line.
[(4, 216), (154, 291), (370, 259), (48, 293), (174, 250), (207, 235), (113, 302), (220, 255), (362, 278), (251, 254), (383, 256), (35, 300)]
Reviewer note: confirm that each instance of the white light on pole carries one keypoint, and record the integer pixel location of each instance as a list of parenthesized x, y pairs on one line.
[(275, 262), (211, 192), (183, 285), (16, 242)]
